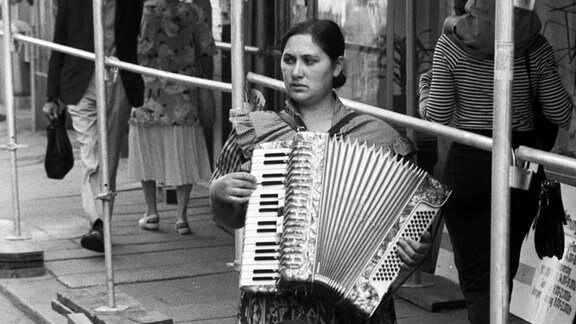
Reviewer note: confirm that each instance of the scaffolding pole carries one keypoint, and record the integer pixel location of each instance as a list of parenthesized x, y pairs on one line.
[(105, 195), (12, 145), (500, 209), (238, 87)]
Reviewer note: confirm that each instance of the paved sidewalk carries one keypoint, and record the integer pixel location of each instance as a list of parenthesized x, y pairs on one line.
[(183, 277)]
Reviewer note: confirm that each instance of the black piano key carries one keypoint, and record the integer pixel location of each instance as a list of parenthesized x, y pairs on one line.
[(275, 162), (267, 243), (257, 271), (265, 230), (275, 154), (263, 278), (272, 183), (273, 175), (268, 195), (267, 223), (266, 251), (265, 258), (265, 203)]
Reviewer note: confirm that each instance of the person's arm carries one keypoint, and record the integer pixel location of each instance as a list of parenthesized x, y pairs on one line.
[(230, 188), (52, 108), (556, 103), (437, 88), (228, 197)]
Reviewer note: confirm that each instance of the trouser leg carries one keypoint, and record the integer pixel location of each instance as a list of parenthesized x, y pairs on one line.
[(85, 123), (470, 238)]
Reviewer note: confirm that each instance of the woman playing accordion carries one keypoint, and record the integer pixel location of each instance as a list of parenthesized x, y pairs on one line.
[(312, 66)]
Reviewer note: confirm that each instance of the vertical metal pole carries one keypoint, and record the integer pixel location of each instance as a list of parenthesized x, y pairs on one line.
[(11, 146), (411, 60), (105, 194), (410, 91), (501, 157), (390, 56), (34, 55), (238, 84)]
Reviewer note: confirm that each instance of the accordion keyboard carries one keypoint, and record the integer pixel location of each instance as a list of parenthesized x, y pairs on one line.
[(263, 227)]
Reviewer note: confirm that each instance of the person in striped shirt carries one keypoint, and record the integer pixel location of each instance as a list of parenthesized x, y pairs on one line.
[(459, 91)]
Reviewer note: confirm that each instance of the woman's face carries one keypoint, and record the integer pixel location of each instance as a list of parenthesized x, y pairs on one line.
[(307, 70)]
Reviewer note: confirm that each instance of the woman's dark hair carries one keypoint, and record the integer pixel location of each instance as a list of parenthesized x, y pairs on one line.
[(327, 35)]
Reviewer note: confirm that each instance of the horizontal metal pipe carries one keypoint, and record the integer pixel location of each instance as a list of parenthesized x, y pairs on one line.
[(351, 46), (451, 133), (228, 46), (198, 82), (557, 162), (554, 161)]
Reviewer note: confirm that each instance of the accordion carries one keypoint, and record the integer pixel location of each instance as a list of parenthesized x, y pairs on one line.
[(326, 216)]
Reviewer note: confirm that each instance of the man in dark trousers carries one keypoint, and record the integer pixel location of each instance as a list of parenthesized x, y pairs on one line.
[(71, 83)]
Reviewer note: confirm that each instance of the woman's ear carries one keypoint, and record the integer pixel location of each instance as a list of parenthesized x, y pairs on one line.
[(338, 66)]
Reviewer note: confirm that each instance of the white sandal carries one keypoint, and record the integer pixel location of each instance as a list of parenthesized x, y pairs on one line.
[(182, 227), (149, 222)]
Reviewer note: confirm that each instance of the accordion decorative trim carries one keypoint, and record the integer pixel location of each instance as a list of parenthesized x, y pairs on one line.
[(346, 205)]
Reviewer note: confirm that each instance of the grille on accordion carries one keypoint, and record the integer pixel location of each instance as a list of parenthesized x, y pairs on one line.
[(326, 217)]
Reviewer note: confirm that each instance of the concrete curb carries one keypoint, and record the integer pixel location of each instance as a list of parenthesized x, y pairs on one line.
[(24, 307)]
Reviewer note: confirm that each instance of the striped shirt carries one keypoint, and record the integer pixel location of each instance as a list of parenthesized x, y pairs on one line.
[(459, 91)]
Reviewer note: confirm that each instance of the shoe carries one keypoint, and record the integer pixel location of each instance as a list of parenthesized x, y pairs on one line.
[(149, 222), (94, 239), (182, 228)]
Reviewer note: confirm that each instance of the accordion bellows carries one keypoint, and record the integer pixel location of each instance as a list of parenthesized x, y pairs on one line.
[(343, 206)]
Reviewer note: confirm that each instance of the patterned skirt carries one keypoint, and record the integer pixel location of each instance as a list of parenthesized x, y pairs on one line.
[(306, 309), (170, 155)]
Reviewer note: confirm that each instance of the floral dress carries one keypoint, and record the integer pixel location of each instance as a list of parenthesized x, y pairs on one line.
[(175, 36), (166, 138)]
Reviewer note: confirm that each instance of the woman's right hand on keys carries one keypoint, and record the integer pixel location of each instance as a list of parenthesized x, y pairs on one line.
[(233, 187)]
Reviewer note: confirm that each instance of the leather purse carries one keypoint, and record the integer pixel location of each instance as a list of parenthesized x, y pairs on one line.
[(549, 222)]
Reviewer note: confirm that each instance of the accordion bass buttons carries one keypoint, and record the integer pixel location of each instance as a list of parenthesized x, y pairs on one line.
[(413, 227)]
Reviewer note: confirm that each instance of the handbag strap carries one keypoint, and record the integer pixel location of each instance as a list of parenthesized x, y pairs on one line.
[(297, 124)]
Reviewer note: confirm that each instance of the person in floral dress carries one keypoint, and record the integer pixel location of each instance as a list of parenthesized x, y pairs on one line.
[(166, 141)]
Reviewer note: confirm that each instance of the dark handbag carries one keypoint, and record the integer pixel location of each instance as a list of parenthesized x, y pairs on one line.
[(545, 129), (549, 222), (59, 158)]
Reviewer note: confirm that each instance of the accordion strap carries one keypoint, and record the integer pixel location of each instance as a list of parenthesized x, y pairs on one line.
[(298, 125)]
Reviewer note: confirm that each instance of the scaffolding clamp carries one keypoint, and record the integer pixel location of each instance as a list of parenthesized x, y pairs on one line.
[(106, 196), (12, 147)]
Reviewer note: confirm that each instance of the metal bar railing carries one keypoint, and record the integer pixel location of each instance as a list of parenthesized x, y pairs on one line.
[(228, 46), (553, 161), (238, 89), (502, 136), (101, 61), (105, 194), (411, 73), (12, 144), (500, 188), (195, 81), (399, 119)]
